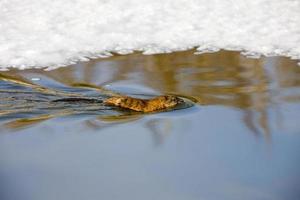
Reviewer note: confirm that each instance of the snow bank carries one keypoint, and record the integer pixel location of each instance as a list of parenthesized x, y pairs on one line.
[(37, 33)]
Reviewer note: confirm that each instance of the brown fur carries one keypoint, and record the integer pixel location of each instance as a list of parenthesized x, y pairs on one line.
[(143, 105)]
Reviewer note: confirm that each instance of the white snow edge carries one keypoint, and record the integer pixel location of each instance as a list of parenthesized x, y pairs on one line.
[(55, 33)]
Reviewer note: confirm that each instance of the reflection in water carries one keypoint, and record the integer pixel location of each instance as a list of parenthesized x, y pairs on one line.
[(223, 78), (101, 122), (160, 129)]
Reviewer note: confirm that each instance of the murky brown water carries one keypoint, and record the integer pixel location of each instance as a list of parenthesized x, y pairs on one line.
[(240, 140)]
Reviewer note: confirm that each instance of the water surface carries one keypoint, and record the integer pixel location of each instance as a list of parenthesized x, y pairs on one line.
[(240, 140)]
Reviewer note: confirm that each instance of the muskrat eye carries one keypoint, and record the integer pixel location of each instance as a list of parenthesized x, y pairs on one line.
[(177, 100)]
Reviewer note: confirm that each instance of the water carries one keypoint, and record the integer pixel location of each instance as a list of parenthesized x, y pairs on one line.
[(241, 140)]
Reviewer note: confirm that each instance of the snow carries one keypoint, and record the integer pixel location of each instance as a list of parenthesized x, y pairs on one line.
[(54, 33)]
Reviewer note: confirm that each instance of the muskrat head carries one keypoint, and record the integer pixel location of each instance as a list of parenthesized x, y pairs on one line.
[(169, 100)]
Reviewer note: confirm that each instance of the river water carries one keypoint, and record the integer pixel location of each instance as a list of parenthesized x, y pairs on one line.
[(239, 140)]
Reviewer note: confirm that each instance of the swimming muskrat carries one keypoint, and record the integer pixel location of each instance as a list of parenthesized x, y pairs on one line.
[(136, 104), (144, 105)]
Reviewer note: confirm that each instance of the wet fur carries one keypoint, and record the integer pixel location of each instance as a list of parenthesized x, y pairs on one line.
[(144, 105)]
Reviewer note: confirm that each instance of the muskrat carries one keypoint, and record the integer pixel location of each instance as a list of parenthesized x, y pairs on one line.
[(144, 105)]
